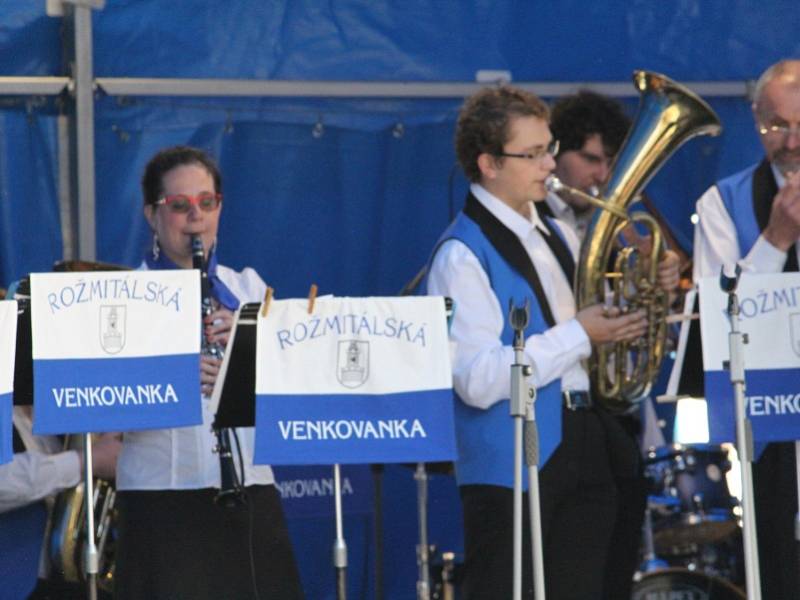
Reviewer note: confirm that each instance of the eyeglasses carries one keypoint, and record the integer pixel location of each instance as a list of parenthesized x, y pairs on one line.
[(537, 155), (182, 203), (782, 130)]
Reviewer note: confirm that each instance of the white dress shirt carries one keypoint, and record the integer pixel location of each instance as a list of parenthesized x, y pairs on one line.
[(716, 244), (481, 363), (43, 470), (564, 212), (183, 458)]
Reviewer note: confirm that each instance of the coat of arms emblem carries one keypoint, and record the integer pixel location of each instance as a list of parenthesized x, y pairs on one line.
[(352, 363), (794, 322), (112, 328)]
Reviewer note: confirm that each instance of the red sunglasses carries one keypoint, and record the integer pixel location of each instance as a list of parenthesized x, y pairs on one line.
[(182, 203)]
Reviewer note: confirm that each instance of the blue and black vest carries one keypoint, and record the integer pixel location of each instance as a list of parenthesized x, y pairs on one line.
[(485, 438), (748, 196)]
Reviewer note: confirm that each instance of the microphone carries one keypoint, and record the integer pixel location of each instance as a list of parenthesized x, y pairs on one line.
[(231, 492)]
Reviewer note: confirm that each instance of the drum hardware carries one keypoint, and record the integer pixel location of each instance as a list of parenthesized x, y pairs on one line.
[(650, 562), (696, 506), (445, 574), (683, 584)]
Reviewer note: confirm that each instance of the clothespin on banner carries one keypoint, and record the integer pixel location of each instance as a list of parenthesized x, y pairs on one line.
[(312, 297), (449, 311), (267, 300)]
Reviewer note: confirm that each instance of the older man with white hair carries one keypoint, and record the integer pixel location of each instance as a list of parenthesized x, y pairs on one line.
[(753, 218)]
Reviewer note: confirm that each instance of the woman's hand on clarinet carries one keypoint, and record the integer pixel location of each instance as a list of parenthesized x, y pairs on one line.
[(217, 327), (209, 370)]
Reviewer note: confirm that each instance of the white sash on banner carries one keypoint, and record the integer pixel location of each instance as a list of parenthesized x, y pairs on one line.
[(115, 351), (8, 344), (770, 316), (360, 380)]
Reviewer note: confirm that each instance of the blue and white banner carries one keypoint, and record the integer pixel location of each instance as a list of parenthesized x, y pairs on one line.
[(770, 316), (361, 380), (308, 491), (8, 346), (115, 351)]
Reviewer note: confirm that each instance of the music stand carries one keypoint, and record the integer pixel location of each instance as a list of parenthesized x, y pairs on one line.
[(237, 408), (236, 395), (23, 396)]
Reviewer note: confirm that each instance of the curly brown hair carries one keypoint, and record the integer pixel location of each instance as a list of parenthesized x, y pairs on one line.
[(484, 123), (577, 117)]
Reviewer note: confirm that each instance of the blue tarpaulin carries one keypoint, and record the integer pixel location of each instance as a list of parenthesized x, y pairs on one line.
[(349, 194)]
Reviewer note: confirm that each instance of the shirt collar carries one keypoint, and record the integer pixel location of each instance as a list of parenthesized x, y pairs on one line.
[(780, 180), (559, 207), (520, 225)]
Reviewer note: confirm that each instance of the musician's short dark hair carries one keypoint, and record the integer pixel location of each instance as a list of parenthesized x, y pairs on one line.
[(169, 158), (484, 123), (577, 117)]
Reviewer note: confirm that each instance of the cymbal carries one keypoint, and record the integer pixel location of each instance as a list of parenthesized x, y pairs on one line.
[(70, 266)]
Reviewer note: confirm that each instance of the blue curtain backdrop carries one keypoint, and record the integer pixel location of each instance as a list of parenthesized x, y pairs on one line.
[(350, 194)]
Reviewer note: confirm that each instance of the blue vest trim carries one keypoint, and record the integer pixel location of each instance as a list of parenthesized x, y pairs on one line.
[(485, 438), (737, 197)]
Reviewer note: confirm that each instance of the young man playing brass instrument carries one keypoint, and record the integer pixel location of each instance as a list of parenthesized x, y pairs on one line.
[(499, 249)]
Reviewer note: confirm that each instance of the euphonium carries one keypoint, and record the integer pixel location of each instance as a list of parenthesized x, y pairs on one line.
[(669, 115), (68, 534)]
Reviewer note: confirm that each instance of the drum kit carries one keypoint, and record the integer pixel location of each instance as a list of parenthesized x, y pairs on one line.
[(692, 537)]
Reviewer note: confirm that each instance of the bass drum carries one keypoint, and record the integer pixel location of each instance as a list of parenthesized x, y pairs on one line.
[(669, 584)]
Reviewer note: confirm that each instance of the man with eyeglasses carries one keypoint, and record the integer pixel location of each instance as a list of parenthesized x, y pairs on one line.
[(753, 218), (591, 128), (498, 250)]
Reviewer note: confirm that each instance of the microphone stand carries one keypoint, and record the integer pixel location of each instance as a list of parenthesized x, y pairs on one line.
[(339, 546), (522, 411), (744, 436), (797, 515), (90, 556), (424, 581)]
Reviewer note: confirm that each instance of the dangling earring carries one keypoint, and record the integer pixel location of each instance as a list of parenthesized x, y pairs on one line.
[(156, 247)]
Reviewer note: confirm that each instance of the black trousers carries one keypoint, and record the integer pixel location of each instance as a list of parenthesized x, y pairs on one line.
[(578, 507), (626, 539), (775, 495), (179, 545)]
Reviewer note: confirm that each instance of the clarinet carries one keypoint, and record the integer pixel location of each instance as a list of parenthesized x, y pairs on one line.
[(230, 492)]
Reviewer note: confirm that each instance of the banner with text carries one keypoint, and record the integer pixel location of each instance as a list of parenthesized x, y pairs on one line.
[(8, 346), (308, 491), (115, 351), (770, 316), (360, 380)]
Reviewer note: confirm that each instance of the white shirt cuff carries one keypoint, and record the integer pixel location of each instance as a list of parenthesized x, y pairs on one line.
[(764, 257)]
